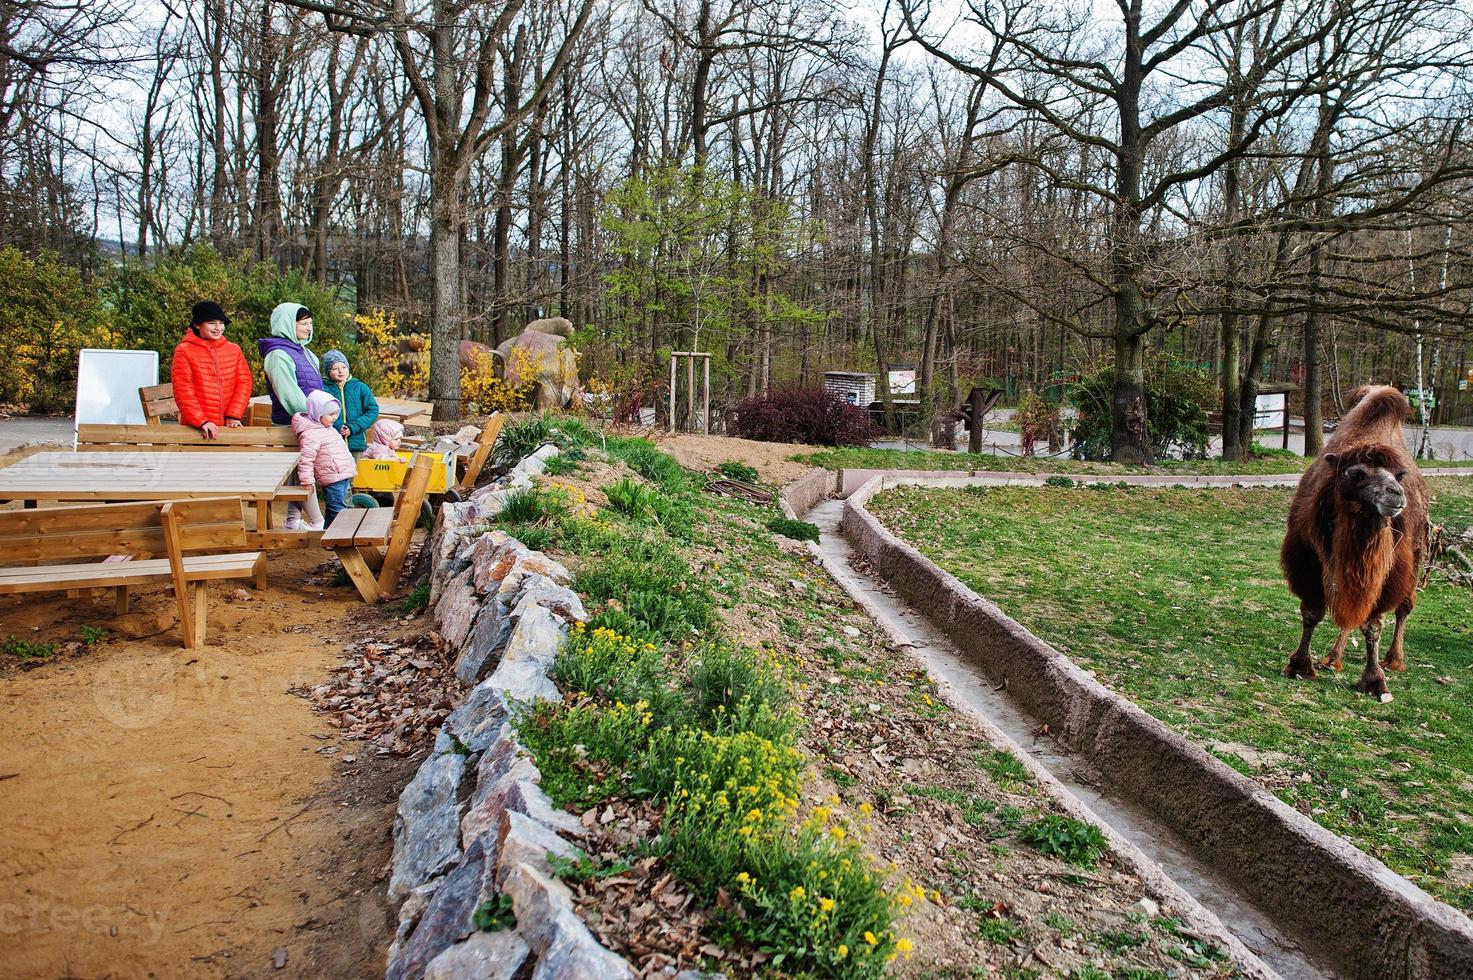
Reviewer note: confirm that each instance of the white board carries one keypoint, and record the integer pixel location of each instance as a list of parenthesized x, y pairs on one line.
[(108, 383), (1268, 410)]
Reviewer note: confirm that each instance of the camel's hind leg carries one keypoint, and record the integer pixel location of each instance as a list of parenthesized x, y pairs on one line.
[(1373, 678), (1396, 656), (1301, 664)]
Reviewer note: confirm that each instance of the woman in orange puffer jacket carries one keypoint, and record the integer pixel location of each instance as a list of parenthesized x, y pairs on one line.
[(212, 382)]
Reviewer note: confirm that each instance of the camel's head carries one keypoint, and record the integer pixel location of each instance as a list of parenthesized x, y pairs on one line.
[(1371, 477)]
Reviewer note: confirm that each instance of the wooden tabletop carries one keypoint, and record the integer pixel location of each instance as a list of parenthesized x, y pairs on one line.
[(394, 408), (146, 475)]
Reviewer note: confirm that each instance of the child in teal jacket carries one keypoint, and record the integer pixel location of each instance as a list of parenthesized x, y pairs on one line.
[(360, 408)]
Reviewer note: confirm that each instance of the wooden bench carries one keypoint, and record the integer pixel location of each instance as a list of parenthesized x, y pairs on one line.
[(158, 402), (489, 432), (372, 542), (121, 537), (166, 437)]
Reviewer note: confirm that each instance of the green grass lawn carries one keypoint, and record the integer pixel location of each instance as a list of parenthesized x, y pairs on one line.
[(921, 459), (1173, 597), (912, 459)]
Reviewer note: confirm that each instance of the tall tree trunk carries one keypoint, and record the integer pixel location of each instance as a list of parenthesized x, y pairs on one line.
[(445, 308), (1314, 421), (1130, 441)]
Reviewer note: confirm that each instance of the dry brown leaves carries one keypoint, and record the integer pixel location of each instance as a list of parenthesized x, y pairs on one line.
[(642, 912), (392, 694)]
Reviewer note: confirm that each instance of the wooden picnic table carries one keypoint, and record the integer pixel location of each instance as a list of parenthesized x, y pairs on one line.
[(402, 409), (257, 477)]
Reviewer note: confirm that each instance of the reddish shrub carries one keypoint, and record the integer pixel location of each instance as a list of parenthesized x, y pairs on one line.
[(809, 415)]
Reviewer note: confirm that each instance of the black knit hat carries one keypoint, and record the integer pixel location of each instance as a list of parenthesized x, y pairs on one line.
[(207, 311), (303, 313)]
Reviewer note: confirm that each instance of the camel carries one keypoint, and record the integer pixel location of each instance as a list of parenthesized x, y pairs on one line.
[(1357, 536)]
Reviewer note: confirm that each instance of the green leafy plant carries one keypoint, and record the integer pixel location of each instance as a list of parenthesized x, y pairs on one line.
[(24, 650), (535, 505), (1058, 480), (415, 600), (797, 530), (1065, 837), (580, 870), (1178, 398), (495, 914), (631, 498), (93, 635), (519, 440), (1002, 766), (538, 537), (737, 471)]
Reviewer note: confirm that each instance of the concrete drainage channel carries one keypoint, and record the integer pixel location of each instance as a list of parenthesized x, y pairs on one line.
[(1304, 901)]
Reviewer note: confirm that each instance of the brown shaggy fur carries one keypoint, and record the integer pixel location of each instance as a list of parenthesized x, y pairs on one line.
[(1340, 553)]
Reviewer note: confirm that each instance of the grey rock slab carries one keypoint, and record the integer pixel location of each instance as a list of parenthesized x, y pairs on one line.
[(524, 683), (427, 824), (522, 840), (447, 920), (501, 757), (495, 554), (574, 954), (539, 590), (484, 956), (456, 611), (487, 635), (512, 792), (536, 639), (536, 563), (484, 815), (409, 913), (480, 718), (537, 900)]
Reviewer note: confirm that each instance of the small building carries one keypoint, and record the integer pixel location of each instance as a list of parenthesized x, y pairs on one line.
[(854, 387)]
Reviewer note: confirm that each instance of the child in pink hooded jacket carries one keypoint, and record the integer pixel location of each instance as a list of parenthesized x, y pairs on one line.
[(383, 439), (325, 460)]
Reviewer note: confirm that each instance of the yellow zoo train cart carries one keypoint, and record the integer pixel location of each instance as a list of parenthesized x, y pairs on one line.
[(377, 480)]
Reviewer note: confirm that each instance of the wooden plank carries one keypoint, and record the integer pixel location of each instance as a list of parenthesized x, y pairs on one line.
[(484, 445), (176, 573), (343, 528), (199, 613), (120, 601), (158, 401), (145, 475), (359, 573), (375, 528), (54, 520), (148, 571), (160, 435), (406, 514), (282, 540)]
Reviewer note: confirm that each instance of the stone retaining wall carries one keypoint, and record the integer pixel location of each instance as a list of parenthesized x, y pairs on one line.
[(800, 496), (1365, 918), (474, 823)]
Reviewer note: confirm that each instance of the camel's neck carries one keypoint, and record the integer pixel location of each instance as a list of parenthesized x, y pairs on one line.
[(1363, 552)]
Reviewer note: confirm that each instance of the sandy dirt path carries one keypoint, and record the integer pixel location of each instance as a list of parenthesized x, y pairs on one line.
[(176, 813), (769, 459)]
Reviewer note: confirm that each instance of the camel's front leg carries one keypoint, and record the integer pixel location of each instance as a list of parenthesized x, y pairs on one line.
[(1335, 659), (1301, 664), (1396, 656), (1373, 679)]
